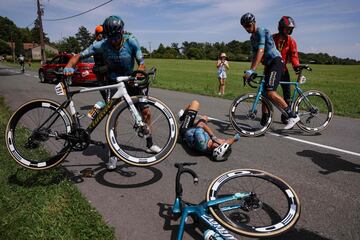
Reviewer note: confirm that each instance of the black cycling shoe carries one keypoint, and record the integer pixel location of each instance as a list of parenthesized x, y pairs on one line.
[(264, 119), (284, 119)]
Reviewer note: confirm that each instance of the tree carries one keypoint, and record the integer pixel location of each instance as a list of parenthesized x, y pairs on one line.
[(84, 37), (35, 33), (4, 48), (69, 44)]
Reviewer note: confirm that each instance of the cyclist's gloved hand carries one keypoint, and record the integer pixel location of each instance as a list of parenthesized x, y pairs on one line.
[(297, 69), (247, 75), (68, 71)]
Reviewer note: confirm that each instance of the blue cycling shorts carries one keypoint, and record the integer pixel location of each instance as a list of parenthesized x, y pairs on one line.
[(197, 138)]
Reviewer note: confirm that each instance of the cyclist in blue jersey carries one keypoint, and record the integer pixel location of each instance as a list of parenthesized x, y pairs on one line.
[(198, 135), (119, 52), (264, 50)]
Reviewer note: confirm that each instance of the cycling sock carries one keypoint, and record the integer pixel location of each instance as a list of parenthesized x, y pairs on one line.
[(149, 142), (290, 113)]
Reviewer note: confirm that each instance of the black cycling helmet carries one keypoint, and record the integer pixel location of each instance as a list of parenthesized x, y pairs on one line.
[(113, 25), (286, 22), (247, 18)]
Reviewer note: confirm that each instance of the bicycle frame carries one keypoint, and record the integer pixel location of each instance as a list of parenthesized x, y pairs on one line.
[(121, 92), (201, 211), (261, 92)]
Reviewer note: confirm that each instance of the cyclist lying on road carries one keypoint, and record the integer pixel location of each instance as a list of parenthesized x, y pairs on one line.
[(198, 135)]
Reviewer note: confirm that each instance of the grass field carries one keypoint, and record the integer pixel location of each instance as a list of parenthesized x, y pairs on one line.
[(339, 82), (43, 205)]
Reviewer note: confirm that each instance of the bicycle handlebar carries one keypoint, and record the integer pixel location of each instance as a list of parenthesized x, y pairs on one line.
[(254, 76), (181, 169)]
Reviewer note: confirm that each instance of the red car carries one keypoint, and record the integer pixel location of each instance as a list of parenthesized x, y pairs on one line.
[(84, 67)]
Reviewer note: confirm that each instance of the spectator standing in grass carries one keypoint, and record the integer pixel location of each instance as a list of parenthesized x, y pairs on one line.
[(222, 65)]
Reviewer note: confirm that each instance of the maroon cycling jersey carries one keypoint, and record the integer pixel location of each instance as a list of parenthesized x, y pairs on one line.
[(288, 50)]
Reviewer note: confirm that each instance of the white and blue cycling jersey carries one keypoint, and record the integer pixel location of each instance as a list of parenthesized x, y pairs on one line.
[(120, 62), (263, 39)]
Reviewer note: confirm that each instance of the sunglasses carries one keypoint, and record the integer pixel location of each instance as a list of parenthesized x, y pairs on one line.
[(248, 25), (115, 36)]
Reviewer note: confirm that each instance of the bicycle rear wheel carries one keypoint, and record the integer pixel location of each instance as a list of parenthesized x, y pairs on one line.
[(315, 111), (271, 209), (31, 134), (128, 145), (246, 118)]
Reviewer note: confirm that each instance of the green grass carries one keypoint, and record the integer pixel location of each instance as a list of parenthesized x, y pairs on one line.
[(340, 83), (43, 204)]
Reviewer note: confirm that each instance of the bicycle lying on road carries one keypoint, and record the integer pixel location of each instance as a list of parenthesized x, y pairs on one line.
[(41, 133), (313, 107), (249, 202)]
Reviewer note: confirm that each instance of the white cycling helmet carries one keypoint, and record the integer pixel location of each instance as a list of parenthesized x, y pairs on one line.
[(222, 152)]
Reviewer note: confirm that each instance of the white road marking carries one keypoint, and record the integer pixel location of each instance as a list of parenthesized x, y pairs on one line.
[(315, 144)]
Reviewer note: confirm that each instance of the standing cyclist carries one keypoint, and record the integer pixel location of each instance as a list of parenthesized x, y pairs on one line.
[(119, 52), (289, 53), (264, 50)]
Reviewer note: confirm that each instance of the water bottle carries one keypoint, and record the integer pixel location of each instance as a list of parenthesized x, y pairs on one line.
[(211, 235), (96, 109)]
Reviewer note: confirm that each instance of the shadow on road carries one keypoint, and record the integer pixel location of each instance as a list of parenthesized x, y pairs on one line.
[(298, 234), (224, 128), (166, 214), (330, 162)]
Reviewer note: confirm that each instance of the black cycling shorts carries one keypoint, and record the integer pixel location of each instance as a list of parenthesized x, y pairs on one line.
[(273, 74), (188, 121)]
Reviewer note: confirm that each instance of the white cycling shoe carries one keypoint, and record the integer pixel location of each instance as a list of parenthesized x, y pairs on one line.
[(153, 149), (111, 165), (291, 122)]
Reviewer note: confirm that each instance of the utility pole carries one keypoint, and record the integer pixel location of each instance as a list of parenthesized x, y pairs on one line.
[(42, 45), (12, 46), (150, 49)]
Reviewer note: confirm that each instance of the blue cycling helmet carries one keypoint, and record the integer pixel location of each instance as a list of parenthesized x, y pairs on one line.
[(247, 18), (113, 25)]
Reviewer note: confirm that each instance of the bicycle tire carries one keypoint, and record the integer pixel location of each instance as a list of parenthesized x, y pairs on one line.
[(317, 116), (125, 142), (32, 147), (246, 122), (242, 221)]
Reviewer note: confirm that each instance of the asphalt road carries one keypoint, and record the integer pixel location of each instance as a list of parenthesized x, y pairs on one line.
[(324, 170)]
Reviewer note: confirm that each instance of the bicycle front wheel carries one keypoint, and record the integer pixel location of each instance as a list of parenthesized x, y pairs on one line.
[(31, 134), (315, 111), (245, 115), (125, 139), (269, 208)]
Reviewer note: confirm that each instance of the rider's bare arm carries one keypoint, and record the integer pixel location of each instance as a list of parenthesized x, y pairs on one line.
[(73, 61), (257, 59)]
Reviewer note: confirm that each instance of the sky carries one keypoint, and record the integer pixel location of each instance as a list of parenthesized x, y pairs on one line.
[(327, 26)]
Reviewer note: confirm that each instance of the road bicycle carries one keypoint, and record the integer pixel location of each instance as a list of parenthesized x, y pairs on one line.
[(249, 202), (313, 107), (41, 133), (22, 67)]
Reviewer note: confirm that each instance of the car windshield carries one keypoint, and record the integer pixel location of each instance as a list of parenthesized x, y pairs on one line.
[(87, 60)]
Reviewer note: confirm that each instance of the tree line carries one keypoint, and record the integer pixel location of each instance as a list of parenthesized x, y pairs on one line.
[(235, 50)]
